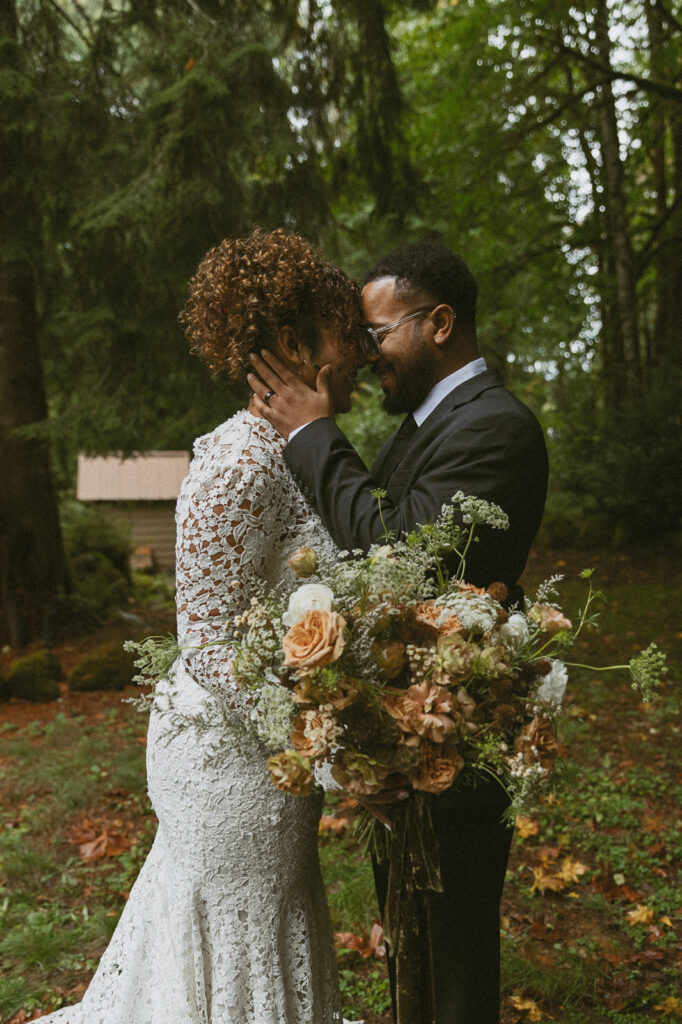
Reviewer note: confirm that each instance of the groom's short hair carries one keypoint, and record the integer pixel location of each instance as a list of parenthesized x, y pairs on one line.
[(431, 267)]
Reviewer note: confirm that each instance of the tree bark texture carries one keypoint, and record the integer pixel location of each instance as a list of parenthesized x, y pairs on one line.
[(33, 572), (666, 157), (620, 241)]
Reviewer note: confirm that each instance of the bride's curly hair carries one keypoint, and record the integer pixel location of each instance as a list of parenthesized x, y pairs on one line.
[(246, 289)]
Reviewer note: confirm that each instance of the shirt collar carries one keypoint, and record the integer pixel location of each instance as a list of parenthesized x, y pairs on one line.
[(446, 385)]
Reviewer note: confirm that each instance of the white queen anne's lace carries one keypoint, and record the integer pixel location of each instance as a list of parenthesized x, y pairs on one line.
[(227, 922)]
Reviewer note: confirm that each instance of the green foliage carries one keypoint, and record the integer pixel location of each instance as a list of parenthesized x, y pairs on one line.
[(107, 668), (620, 467), (99, 584), (85, 529), (34, 677), (367, 425), (155, 589)]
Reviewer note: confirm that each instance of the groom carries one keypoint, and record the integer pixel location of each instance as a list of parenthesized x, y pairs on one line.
[(465, 432)]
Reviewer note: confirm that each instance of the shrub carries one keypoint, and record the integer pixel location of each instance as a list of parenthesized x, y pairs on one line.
[(34, 677), (108, 667), (99, 584), (85, 530), (4, 690)]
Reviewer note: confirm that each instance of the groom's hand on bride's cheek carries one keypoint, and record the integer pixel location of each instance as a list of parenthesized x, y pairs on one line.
[(283, 399)]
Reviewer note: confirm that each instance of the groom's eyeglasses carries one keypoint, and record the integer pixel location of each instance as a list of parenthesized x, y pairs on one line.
[(373, 337)]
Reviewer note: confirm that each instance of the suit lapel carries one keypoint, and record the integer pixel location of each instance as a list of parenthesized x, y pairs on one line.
[(406, 439), (463, 394), (392, 454)]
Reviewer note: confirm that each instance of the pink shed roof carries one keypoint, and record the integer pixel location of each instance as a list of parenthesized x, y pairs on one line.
[(145, 476)]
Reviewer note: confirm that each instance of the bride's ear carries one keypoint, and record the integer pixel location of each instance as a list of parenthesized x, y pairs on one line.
[(290, 348)]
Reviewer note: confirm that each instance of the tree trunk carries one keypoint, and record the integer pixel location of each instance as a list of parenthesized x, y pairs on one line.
[(33, 573), (614, 187), (665, 349)]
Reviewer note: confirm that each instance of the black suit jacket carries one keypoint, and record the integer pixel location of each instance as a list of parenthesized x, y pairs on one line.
[(480, 439)]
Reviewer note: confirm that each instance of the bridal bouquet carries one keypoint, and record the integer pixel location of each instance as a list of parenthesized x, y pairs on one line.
[(388, 670), (391, 670)]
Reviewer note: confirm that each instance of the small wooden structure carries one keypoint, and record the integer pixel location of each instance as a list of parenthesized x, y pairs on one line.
[(140, 492)]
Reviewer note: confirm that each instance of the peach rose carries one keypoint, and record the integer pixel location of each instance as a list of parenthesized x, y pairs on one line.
[(440, 767), (291, 773), (317, 640)]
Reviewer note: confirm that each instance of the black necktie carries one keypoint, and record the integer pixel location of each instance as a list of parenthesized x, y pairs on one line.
[(397, 449)]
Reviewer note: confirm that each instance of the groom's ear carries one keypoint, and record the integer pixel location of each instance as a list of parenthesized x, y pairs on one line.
[(443, 319), (288, 346)]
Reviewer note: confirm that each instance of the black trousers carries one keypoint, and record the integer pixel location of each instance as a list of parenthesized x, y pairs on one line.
[(465, 919)]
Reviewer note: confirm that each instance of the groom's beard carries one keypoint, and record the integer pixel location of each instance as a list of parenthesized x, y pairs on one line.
[(410, 380)]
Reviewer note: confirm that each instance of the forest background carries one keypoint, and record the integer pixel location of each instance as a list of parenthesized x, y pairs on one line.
[(542, 141)]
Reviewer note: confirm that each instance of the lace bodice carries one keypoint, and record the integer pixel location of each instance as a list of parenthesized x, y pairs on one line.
[(240, 516)]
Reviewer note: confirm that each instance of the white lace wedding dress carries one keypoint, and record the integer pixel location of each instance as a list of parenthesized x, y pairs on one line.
[(227, 922)]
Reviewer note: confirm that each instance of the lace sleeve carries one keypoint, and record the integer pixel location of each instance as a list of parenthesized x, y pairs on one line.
[(228, 527)]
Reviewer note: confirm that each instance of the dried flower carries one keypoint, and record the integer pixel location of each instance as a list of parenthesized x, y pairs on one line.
[(537, 743), (317, 640), (291, 773), (389, 656), (498, 591), (548, 618), (304, 562), (424, 710), (493, 662), (359, 774), (436, 620), (440, 766), (315, 732), (457, 656)]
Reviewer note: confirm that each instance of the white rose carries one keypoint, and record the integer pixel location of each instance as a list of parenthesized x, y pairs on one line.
[(515, 631), (310, 597), (553, 685)]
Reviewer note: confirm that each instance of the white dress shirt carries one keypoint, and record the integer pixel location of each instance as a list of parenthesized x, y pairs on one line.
[(446, 385)]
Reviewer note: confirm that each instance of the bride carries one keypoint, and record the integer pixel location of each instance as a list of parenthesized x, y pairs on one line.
[(227, 922)]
